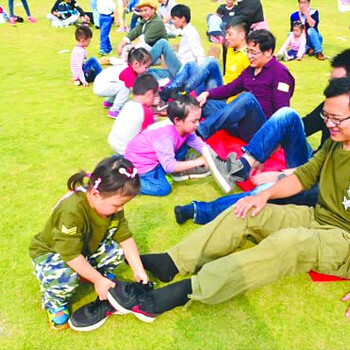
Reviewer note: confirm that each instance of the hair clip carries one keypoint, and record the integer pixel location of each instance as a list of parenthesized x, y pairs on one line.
[(88, 175), (130, 172), (97, 183), (183, 93)]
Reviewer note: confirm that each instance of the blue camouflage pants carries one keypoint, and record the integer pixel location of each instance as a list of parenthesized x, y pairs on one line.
[(58, 281)]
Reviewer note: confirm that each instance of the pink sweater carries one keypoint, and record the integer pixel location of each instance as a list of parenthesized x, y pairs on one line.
[(156, 145), (77, 60)]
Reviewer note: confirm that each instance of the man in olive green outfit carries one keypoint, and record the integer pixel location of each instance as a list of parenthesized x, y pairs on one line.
[(289, 239)]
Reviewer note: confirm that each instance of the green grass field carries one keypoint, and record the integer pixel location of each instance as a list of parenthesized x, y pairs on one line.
[(50, 129)]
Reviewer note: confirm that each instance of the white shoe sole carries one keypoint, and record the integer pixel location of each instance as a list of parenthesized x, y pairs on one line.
[(118, 307), (225, 186), (87, 328)]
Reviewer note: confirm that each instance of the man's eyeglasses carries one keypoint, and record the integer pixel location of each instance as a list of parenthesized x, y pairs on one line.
[(334, 118), (253, 53)]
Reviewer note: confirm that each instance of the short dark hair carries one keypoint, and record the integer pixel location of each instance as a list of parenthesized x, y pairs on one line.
[(306, 0), (298, 24), (239, 24), (338, 87), (264, 38), (181, 11), (83, 32), (220, 11), (143, 83), (180, 106), (342, 60)]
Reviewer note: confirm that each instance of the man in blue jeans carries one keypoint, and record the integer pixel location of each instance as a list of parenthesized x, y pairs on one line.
[(309, 17), (265, 87), (284, 128)]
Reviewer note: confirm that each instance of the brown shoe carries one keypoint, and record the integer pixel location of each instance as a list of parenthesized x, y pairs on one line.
[(310, 51), (320, 56)]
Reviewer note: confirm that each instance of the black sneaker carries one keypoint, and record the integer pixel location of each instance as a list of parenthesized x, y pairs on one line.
[(131, 297), (92, 316)]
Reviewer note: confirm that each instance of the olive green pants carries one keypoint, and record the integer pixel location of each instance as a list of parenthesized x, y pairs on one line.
[(288, 241)]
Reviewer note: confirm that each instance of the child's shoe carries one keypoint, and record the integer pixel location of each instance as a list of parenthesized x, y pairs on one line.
[(91, 316), (195, 173), (224, 171), (106, 104), (184, 213), (12, 20), (113, 114), (131, 297), (58, 318), (31, 19)]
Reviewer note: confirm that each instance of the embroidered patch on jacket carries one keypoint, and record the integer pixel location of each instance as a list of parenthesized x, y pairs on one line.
[(69, 231), (283, 87)]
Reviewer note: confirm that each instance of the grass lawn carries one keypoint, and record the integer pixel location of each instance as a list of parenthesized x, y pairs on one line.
[(50, 129)]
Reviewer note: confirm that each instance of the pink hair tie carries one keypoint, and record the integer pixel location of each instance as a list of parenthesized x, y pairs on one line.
[(130, 172), (97, 183)]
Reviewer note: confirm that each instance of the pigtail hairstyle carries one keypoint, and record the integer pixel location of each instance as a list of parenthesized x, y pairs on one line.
[(112, 175), (140, 55), (180, 106)]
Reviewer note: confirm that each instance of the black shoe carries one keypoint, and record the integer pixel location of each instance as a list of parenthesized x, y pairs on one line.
[(131, 297), (91, 316), (167, 93)]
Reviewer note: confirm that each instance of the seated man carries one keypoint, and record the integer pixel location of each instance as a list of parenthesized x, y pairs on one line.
[(268, 86), (310, 18), (208, 75), (149, 30), (286, 128), (289, 239), (190, 46)]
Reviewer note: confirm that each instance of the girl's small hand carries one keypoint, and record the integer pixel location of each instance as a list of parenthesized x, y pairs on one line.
[(200, 161), (101, 287), (85, 84), (141, 276)]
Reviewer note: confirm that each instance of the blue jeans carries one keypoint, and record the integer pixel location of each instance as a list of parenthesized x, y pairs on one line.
[(155, 183), (199, 78), (241, 118), (162, 47), (284, 128), (25, 5), (314, 40), (205, 212), (105, 27), (91, 68)]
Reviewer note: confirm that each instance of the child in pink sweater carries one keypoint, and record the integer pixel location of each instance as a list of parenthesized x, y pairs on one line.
[(161, 148), (294, 47)]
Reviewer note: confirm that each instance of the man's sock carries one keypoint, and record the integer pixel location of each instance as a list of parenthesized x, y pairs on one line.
[(160, 265), (184, 213), (245, 171), (171, 296)]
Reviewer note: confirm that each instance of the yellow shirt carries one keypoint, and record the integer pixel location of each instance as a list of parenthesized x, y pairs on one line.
[(236, 63)]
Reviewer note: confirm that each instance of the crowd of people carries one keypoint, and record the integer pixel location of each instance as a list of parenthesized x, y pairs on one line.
[(298, 218)]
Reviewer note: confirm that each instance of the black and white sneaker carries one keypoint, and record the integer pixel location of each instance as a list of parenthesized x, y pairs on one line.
[(92, 316), (131, 297)]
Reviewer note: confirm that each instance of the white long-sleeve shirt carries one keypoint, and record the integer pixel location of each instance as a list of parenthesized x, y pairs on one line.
[(190, 47)]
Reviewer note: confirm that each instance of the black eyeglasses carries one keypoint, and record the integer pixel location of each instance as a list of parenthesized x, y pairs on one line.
[(334, 118)]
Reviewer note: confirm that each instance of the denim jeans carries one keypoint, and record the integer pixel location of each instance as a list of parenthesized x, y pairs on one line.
[(25, 5), (162, 47), (284, 128), (314, 40), (205, 212), (241, 118), (199, 78), (154, 182), (91, 68), (105, 27)]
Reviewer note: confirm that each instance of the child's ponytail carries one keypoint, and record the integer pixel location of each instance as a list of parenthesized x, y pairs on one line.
[(112, 175), (140, 55)]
